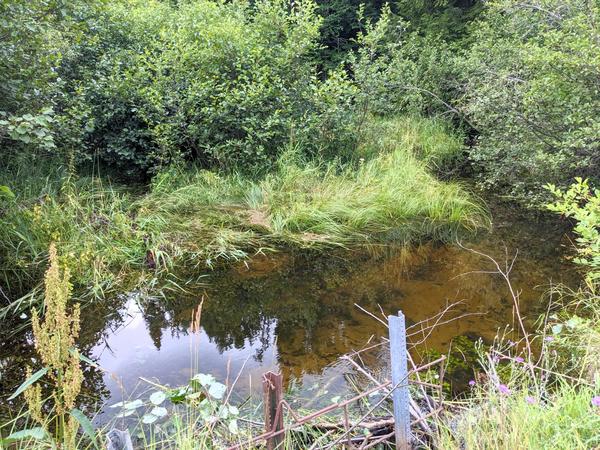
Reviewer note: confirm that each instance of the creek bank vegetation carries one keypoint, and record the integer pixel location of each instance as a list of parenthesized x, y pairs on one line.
[(551, 399), (512, 390), (113, 237), (140, 137)]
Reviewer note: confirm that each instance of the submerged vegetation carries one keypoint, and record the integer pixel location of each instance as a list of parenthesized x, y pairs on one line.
[(143, 140)]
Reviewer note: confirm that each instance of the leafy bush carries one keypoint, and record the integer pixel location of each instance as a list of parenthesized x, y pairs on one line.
[(398, 69), (582, 203), (224, 84), (531, 91)]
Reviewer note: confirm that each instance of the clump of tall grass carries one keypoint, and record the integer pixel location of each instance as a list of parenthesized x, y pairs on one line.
[(508, 418), (387, 193), (114, 237), (91, 222), (391, 197), (520, 403), (431, 140)]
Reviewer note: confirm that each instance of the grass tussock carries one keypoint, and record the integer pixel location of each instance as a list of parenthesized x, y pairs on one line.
[(385, 193), (563, 419)]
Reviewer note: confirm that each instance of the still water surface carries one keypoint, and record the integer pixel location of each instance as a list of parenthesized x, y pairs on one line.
[(296, 313)]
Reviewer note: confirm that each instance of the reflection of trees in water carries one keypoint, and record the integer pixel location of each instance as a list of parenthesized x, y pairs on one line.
[(305, 300), (301, 302)]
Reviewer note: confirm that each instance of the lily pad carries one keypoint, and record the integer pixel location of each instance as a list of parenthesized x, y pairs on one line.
[(149, 418), (204, 379), (157, 398), (217, 390), (134, 404), (159, 411)]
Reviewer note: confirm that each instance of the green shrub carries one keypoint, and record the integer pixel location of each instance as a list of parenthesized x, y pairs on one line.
[(223, 84), (531, 91), (399, 69), (36, 36), (582, 203)]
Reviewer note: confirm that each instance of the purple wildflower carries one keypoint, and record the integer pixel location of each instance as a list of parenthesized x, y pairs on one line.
[(472, 383), (519, 359), (549, 338), (504, 389), (531, 400), (596, 401)]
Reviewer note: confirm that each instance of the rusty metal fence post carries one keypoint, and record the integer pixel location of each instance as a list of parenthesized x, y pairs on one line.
[(273, 394)]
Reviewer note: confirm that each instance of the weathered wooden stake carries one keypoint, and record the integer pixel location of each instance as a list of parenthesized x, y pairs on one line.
[(273, 392), (400, 394)]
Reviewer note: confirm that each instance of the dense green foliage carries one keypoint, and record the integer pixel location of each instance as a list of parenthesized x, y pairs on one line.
[(137, 85), (148, 137), (522, 79), (130, 88), (532, 93), (224, 84), (135, 90), (582, 203)]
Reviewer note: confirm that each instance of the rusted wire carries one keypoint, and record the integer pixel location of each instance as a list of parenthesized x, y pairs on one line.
[(299, 421)]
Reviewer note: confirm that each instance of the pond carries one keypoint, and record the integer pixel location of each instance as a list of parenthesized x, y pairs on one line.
[(296, 313)]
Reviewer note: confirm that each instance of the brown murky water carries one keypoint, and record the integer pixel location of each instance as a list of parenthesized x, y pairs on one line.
[(296, 313)]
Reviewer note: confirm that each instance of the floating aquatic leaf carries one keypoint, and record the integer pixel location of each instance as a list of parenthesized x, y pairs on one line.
[(205, 414), (125, 413), (335, 399), (217, 390), (134, 404), (233, 410), (194, 395), (204, 379), (117, 405), (223, 412), (149, 418), (178, 395), (158, 397), (159, 411), (233, 427)]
